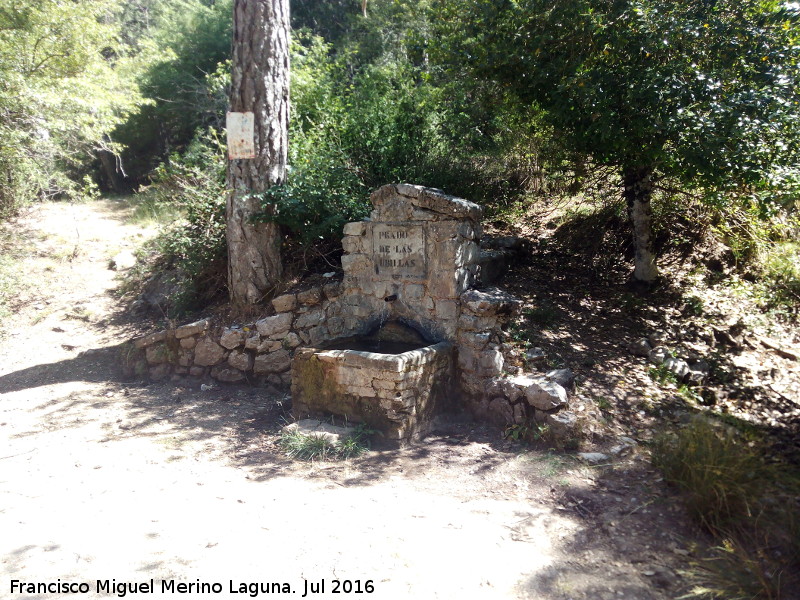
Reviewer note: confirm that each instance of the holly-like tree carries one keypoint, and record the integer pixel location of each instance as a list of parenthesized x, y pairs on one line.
[(704, 92)]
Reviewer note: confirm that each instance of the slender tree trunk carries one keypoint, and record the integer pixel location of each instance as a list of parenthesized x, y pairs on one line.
[(116, 180), (259, 84), (638, 191)]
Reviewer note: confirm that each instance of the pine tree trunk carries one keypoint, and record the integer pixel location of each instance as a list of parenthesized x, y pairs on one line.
[(259, 84), (638, 191)]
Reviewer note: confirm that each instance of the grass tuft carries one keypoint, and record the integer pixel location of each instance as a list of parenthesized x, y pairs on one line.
[(749, 503), (320, 447), (732, 572), (722, 478)]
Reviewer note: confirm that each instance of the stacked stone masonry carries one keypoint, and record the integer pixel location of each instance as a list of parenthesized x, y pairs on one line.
[(416, 261), (394, 394)]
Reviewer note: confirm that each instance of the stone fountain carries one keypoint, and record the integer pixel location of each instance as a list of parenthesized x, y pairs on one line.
[(405, 270)]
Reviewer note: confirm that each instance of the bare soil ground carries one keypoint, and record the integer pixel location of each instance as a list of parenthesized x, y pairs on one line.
[(103, 479)]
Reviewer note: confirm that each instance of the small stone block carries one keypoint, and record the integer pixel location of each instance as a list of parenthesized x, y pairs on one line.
[(232, 338), (226, 374), (356, 228), (277, 323), (191, 329), (285, 303), (208, 353), (332, 290), (310, 296), (149, 340)]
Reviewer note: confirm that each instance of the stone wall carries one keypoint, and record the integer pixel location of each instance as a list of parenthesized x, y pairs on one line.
[(416, 261), (259, 352)]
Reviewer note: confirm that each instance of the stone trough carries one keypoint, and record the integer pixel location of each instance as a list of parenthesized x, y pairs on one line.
[(392, 383)]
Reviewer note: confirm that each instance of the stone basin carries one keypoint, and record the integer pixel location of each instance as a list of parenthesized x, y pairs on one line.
[(395, 394)]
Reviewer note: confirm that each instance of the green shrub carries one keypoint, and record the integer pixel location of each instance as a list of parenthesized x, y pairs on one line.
[(190, 251), (318, 199), (662, 375), (781, 272), (358, 125)]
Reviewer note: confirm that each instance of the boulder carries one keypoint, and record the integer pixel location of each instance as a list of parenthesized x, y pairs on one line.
[(540, 392), (562, 424), (658, 355), (563, 377), (677, 366), (698, 371)]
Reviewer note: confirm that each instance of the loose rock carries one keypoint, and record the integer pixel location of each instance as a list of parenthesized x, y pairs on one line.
[(594, 458), (658, 355), (563, 377), (640, 347)]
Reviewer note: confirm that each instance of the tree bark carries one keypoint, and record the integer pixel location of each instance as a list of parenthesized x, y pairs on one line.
[(638, 191), (259, 84), (116, 180)]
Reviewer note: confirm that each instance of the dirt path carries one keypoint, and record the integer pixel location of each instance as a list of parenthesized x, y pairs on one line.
[(104, 480)]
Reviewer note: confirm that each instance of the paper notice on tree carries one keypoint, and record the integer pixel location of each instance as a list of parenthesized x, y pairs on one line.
[(241, 138)]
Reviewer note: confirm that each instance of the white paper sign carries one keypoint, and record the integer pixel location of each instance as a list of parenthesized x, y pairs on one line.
[(241, 136)]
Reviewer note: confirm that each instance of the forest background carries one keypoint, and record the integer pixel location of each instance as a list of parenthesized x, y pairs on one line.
[(104, 96), (556, 116)]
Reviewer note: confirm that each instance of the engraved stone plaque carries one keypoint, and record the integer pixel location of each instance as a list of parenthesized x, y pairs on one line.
[(398, 251), (241, 136)]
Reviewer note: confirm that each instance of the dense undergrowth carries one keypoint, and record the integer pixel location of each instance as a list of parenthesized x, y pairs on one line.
[(745, 499)]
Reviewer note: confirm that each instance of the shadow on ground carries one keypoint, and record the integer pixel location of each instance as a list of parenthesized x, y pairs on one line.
[(242, 423)]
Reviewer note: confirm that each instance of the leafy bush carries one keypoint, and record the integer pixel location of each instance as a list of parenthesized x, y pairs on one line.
[(781, 272), (358, 124), (190, 251)]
